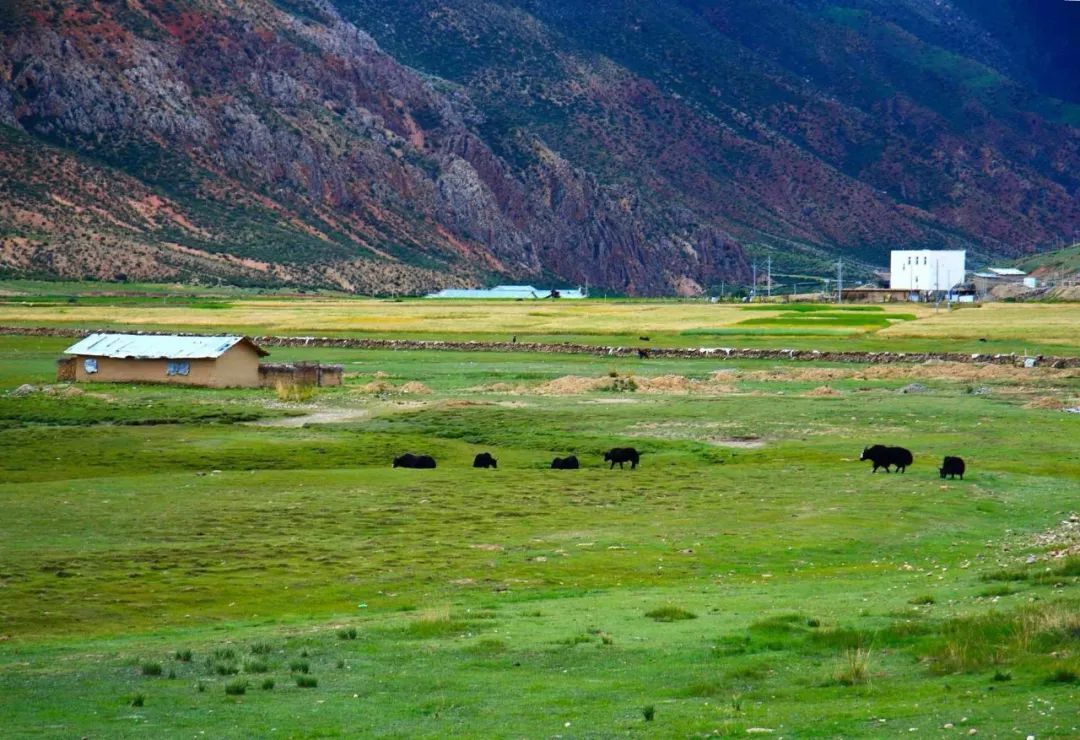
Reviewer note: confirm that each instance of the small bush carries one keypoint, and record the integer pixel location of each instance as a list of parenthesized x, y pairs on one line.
[(347, 633), (670, 614), (1063, 675), (261, 648), (854, 668), (184, 656), (294, 392), (224, 654), (307, 682), (151, 669), (999, 676), (648, 713), (236, 688), (138, 700), (299, 666), (924, 600), (267, 684), (256, 666), (1070, 568), (813, 623), (226, 669)]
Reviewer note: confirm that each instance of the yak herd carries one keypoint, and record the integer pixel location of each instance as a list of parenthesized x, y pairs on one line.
[(880, 455)]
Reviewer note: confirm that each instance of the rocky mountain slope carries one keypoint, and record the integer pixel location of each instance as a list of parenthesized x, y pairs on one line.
[(644, 147)]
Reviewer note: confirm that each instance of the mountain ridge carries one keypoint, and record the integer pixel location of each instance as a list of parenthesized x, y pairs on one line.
[(426, 144)]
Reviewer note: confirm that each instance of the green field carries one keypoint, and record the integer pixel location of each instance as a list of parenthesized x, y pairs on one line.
[(189, 562)]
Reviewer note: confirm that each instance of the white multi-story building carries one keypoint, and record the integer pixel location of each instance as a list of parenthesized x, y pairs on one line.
[(926, 269)]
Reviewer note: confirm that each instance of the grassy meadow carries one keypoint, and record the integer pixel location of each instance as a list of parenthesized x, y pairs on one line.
[(184, 562)]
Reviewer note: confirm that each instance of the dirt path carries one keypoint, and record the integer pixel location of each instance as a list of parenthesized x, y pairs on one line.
[(323, 416)]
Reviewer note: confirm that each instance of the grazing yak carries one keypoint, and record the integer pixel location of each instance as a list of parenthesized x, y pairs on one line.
[(485, 460), (565, 463), (952, 467), (883, 457), (622, 455), (414, 461)]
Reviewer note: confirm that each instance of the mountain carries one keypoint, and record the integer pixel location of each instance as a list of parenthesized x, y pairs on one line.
[(646, 147)]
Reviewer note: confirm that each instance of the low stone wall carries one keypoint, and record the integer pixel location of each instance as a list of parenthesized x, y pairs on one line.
[(713, 353), (300, 373)]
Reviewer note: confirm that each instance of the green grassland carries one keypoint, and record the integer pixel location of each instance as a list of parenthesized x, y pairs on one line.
[(177, 562)]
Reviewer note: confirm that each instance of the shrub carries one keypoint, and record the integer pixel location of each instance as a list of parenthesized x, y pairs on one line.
[(670, 614), (999, 676), (184, 656), (299, 666), (854, 668), (347, 633), (151, 669), (307, 682), (1062, 675), (294, 392), (236, 688)]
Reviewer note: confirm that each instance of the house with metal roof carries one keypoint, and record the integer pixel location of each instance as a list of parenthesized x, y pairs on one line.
[(217, 362)]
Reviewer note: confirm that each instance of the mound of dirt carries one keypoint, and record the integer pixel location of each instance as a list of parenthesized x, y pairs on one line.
[(415, 387), (1045, 402), (376, 386), (572, 385), (822, 390)]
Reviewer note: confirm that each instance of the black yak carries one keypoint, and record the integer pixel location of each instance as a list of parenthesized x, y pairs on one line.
[(622, 455), (409, 460), (485, 460), (952, 467), (883, 457), (565, 463)]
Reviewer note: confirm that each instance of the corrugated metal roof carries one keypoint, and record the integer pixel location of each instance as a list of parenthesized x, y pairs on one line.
[(1010, 271), (156, 347), (504, 291)]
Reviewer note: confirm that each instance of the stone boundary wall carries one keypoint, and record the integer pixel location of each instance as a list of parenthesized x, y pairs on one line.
[(608, 351)]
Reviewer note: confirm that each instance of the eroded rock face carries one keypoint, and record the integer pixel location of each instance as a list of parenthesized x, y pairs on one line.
[(273, 142), (288, 147)]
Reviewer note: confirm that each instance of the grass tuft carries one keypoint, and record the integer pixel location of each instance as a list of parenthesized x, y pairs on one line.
[(184, 656), (307, 682), (138, 700), (670, 614), (151, 669), (236, 688), (924, 600), (261, 648), (267, 684), (347, 633), (854, 667), (648, 712), (299, 666), (256, 666)]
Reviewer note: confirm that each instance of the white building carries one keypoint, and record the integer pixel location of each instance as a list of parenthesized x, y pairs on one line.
[(511, 292), (926, 269)]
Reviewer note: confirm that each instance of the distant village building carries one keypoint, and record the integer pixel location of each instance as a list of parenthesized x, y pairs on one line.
[(992, 277), (510, 292), (926, 270), (217, 362)]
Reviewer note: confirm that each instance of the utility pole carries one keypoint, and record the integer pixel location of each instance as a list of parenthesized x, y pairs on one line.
[(840, 281), (768, 277), (753, 285)]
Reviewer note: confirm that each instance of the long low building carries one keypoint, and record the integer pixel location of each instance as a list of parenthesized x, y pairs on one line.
[(509, 292), (217, 362)]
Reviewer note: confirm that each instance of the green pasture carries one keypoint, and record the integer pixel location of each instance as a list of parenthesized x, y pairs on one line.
[(182, 562)]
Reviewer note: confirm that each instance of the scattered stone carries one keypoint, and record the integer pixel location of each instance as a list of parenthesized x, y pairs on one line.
[(914, 388), (23, 390)]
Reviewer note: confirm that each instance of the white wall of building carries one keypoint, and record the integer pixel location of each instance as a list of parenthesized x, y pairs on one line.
[(926, 269)]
